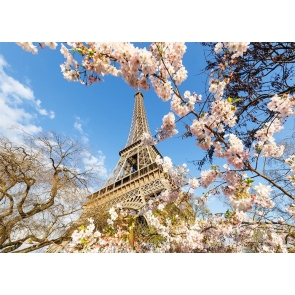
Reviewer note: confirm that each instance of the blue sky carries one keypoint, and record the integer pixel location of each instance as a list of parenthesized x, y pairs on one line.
[(103, 111), (203, 21), (35, 96)]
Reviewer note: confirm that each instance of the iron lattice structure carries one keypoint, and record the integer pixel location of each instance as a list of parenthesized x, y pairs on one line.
[(135, 179)]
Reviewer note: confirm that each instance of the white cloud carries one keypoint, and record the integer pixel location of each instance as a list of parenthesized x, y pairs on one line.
[(78, 124), (43, 111), (27, 81), (85, 139), (51, 115), (95, 164), (14, 96), (10, 86), (91, 162)]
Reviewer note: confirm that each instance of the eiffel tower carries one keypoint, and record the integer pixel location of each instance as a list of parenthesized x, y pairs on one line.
[(135, 179)]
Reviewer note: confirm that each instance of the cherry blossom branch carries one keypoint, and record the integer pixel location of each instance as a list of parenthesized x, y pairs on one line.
[(270, 181)]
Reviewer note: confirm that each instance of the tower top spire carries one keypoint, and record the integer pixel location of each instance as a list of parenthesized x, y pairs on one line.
[(139, 123)]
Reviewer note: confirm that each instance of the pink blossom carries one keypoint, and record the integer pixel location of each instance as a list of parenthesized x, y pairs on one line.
[(194, 183), (28, 46), (207, 177), (262, 197)]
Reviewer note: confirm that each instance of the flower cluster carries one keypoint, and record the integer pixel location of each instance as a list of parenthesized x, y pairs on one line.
[(208, 176), (223, 112), (168, 127), (163, 89), (237, 48), (181, 108), (262, 196), (147, 139), (85, 235), (169, 57), (235, 153), (232, 178), (178, 174), (282, 104), (166, 163), (160, 65), (113, 216), (265, 140), (217, 87), (291, 210), (241, 204), (66, 68), (291, 162), (28, 46), (193, 183), (237, 189), (200, 130)]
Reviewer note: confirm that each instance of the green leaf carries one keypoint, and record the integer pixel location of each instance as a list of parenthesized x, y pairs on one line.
[(248, 180), (237, 99), (228, 214), (214, 167), (91, 52), (82, 227), (79, 50), (83, 241)]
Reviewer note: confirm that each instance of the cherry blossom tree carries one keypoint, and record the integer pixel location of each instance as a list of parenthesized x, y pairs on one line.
[(249, 98)]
